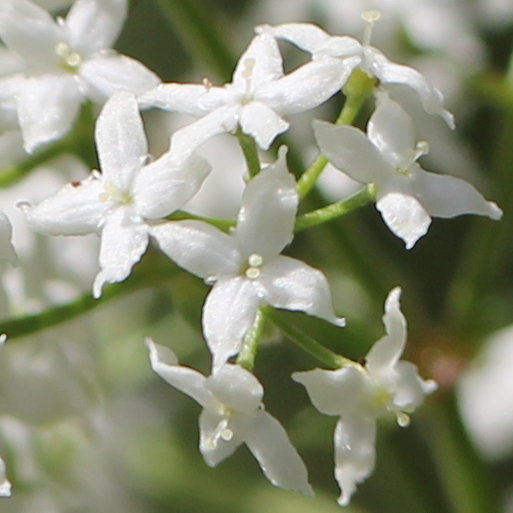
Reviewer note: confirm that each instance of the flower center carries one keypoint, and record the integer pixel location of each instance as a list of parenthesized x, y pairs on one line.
[(253, 270), (422, 148), (113, 194), (222, 430), (69, 60)]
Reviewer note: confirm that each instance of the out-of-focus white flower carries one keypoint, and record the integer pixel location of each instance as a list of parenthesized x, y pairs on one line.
[(256, 99), (5, 485), (120, 200), (346, 53), (246, 266), (361, 393), (6, 248), (65, 62), (407, 196), (233, 414)]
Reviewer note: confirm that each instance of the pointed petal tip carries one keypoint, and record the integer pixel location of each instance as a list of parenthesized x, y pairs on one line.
[(159, 355), (495, 211)]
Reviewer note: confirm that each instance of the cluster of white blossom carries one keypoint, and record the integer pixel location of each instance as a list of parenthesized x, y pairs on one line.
[(130, 201)]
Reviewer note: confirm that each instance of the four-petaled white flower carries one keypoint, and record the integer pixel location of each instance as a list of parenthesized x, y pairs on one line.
[(406, 194), (65, 62), (347, 53), (127, 194), (361, 393), (259, 95), (245, 266), (233, 414)]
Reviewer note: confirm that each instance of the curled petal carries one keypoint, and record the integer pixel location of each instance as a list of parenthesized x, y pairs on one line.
[(278, 458), (405, 216), (306, 36), (411, 388)]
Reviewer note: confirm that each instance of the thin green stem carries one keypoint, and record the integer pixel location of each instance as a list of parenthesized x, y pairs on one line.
[(223, 224), (322, 215), (308, 344), (357, 90), (250, 152), (252, 339)]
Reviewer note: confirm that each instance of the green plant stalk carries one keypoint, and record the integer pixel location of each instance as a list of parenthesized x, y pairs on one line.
[(223, 224), (322, 215), (252, 339), (357, 90), (308, 344), (250, 152)]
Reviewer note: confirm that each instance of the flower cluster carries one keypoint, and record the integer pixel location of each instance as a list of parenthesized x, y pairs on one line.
[(133, 199)]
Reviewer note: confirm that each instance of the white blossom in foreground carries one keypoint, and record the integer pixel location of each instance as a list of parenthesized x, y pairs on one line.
[(119, 201), (361, 393), (407, 195), (233, 414), (256, 99), (66, 62), (347, 53), (5, 485), (245, 266)]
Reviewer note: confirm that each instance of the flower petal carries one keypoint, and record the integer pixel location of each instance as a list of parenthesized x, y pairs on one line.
[(30, 31), (261, 122), (104, 75), (229, 312), (7, 251), (165, 363), (405, 216), (278, 458), (448, 196), (349, 150), (411, 388), (75, 209), (123, 243), (120, 140), (354, 453), (291, 284), (94, 25), (266, 219), (198, 247), (5, 486), (47, 108), (167, 184), (306, 36)]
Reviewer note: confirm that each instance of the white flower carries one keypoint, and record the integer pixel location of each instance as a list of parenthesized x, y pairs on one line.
[(233, 414), (361, 393), (346, 53), (65, 62), (6, 248), (245, 266), (407, 196), (256, 99), (120, 200)]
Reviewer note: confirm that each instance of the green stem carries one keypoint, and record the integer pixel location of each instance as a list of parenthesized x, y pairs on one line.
[(357, 90), (223, 224), (308, 344), (252, 339), (250, 151), (322, 215)]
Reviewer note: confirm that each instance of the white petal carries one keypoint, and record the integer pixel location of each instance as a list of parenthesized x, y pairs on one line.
[(386, 352), (306, 36), (165, 364), (120, 140), (6, 248), (176, 97), (5, 486), (75, 209), (262, 123), (278, 458), (411, 388), (236, 388), (266, 219), (167, 184), (448, 196), (391, 130), (354, 453), (47, 108), (94, 25), (123, 243), (198, 247), (229, 312), (29, 31), (390, 73), (259, 64), (105, 75), (405, 217), (334, 392), (291, 284), (349, 150), (308, 86)]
